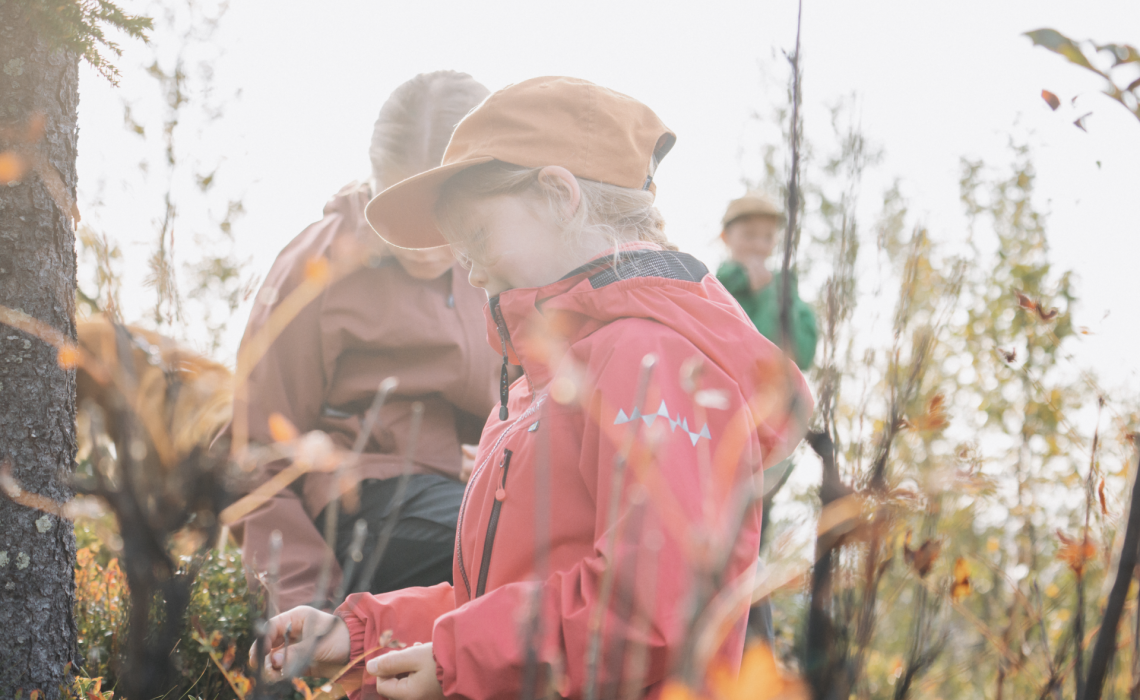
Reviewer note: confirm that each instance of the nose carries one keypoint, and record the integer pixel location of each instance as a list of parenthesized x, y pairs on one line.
[(477, 276)]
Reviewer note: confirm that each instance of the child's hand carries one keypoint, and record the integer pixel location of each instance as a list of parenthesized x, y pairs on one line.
[(408, 674), (307, 636), (759, 276)]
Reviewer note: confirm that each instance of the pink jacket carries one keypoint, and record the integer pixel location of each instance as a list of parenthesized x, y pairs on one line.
[(323, 371), (536, 535)]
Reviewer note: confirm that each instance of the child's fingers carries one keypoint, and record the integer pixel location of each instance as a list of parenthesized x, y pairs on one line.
[(394, 688), (394, 663)]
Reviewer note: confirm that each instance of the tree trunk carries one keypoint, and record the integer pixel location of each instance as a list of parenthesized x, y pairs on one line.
[(38, 99)]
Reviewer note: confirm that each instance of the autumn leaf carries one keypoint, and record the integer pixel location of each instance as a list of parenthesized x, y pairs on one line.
[(228, 657), (1103, 502), (961, 586), (281, 429), (1024, 301), (935, 416), (1050, 98), (303, 688), (1075, 553), (921, 559)]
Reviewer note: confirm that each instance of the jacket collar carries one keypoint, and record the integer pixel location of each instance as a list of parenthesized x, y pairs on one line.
[(532, 327)]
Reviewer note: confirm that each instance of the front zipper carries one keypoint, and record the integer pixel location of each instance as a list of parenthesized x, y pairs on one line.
[(493, 524), (535, 406)]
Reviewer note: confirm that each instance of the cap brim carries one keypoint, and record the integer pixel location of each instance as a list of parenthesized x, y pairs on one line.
[(402, 214)]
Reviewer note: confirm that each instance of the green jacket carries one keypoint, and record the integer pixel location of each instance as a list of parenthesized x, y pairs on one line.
[(763, 307)]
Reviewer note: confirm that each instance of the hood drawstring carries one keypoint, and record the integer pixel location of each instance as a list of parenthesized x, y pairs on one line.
[(504, 382)]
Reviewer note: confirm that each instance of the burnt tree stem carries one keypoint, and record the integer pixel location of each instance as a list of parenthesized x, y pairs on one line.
[(39, 97)]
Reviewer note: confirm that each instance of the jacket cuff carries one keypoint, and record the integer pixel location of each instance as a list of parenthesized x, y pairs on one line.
[(443, 649), (357, 631)]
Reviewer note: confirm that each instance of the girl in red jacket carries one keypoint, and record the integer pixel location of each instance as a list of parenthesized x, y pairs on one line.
[(608, 535)]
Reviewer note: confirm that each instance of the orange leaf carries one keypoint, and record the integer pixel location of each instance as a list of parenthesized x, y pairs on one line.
[(317, 270), (1024, 301), (1103, 503), (1075, 553), (1049, 97), (12, 167), (228, 657), (281, 428), (68, 357), (935, 416), (961, 587), (303, 688)]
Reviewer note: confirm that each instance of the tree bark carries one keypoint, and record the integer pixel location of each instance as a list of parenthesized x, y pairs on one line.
[(38, 86)]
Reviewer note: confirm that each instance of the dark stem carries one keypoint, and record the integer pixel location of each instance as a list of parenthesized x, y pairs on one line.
[(1106, 639), (793, 205)]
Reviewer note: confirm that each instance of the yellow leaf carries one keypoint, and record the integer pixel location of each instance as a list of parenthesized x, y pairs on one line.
[(1052, 591), (992, 545), (961, 587)]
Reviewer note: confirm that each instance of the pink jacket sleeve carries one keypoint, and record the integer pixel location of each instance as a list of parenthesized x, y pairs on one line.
[(670, 517), (408, 614)]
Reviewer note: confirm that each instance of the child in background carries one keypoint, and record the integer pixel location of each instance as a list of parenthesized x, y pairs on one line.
[(750, 227), (616, 484)]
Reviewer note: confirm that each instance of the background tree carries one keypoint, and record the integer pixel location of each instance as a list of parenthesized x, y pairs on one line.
[(41, 43)]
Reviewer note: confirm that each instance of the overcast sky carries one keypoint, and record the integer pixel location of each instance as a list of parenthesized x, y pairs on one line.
[(935, 81)]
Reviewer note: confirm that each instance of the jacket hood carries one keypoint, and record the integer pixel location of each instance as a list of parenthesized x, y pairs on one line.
[(668, 287)]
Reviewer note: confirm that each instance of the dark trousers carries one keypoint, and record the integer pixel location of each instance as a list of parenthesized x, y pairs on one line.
[(422, 545)]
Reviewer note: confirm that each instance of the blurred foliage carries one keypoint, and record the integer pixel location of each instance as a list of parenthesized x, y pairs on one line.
[(78, 25), (196, 278), (221, 612), (976, 566)]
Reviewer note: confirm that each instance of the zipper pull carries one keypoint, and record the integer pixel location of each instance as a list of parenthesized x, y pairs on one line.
[(501, 492)]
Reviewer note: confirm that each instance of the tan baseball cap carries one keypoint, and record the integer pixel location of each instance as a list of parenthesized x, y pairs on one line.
[(752, 204), (593, 132)]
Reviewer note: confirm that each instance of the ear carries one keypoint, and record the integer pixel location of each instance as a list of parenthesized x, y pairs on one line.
[(563, 181)]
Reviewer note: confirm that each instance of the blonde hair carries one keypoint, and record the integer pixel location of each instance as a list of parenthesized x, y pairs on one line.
[(615, 214), (416, 121)]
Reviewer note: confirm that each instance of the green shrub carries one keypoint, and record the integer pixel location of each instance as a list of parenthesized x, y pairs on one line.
[(221, 614)]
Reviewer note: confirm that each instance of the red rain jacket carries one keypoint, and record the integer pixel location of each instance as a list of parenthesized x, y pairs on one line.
[(538, 528)]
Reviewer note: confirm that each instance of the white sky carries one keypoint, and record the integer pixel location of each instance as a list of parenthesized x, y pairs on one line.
[(936, 81)]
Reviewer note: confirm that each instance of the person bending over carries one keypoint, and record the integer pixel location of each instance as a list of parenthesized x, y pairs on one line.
[(388, 312)]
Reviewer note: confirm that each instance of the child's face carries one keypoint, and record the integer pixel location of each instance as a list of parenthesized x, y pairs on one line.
[(751, 237), (512, 243)]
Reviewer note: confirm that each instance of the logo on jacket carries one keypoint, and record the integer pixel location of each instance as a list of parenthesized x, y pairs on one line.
[(663, 412)]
